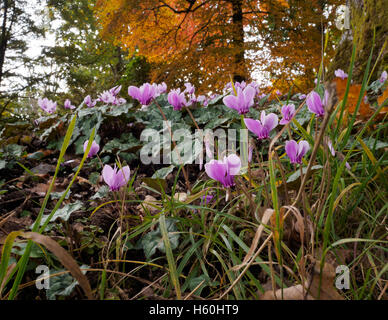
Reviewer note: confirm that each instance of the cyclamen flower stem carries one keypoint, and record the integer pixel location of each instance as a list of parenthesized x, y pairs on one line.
[(303, 192), (174, 144), (240, 183), (262, 169), (192, 118)]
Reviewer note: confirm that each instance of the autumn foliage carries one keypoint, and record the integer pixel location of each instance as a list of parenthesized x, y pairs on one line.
[(210, 40)]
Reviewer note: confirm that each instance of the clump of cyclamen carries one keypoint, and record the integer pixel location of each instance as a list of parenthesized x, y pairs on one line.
[(111, 96), (296, 151), (93, 149), (115, 177), (191, 97), (224, 170), (47, 105), (262, 128)]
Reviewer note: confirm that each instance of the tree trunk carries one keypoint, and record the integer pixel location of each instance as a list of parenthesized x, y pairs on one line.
[(240, 71), (365, 17), (4, 38)]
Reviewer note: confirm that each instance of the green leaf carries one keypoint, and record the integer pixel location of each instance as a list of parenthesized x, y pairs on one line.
[(296, 174), (163, 173), (101, 193), (63, 213), (194, 282), (154, 240), (93, 177), (156, 183), (58, 195), (14, 150), (119, 110), (63, 284)]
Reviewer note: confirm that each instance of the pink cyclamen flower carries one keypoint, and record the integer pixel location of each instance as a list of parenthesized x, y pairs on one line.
[(145, 94), (296, 151), (278, 92), (115, 178), (383, 77), (68, 105), (177, 99), (119, 101), (89, 102), (190, 89), (243, 101), (339, 73), (288, 112), (331, 148), (206, 199), (250, 153), (47, 105), (262, 127), (302, 96), (93, 149), (160, 88), (333, 153), (107, 97), (224, 170), (115, 90), (314, 103)]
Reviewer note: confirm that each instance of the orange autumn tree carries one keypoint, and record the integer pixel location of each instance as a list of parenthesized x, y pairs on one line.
[(207, 41)]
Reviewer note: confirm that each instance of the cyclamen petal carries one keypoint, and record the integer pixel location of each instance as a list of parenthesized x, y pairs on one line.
[(115, 90), (93, 149), (383, 77), (190, 89), (270, 121), (314, 104), (288, 112), (242, 101), (339, 73), (262, 128), (177, 99), (47, 105), (233, 164), (145, 94), (89, 102), (106, 97), (256, 127), (68, 105)]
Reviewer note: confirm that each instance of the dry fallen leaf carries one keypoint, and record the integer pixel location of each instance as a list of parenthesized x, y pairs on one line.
[(327, 290), (150, 204)]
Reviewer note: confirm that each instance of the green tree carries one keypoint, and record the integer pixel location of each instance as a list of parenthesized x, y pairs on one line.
[(18, 26), (85, 62)]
